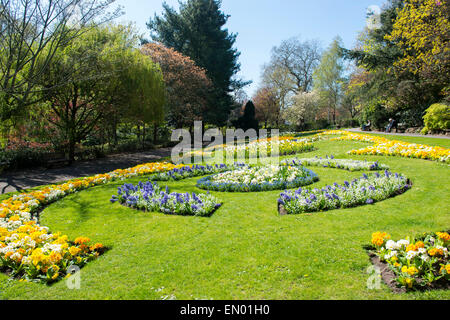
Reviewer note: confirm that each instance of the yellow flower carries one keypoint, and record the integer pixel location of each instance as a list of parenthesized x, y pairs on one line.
[(444, 236), (74, 251), (435, 252), (409, 282), (81, 240)]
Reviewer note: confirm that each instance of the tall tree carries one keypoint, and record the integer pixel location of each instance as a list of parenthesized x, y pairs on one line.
[(95, 66), (328, 78), (422, 33), (267, 106), (187, 86), (32, 31), (197, 31), (298, 60), (248, 119)]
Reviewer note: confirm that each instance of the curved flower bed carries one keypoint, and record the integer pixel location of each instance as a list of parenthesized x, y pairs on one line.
[(385, 147), (263, 148), (151, 197), (193, 171), (30, 251), (417, 263), (366, 190), (256, 179), (331, 162)]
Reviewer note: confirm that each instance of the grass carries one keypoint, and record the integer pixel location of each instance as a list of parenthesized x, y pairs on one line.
[(245, 250)]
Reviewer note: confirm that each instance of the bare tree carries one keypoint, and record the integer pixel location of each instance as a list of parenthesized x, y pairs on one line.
[(32, 31), (297, 60)]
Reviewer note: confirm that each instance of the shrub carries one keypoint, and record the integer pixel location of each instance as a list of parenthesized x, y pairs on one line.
[(437, 118)]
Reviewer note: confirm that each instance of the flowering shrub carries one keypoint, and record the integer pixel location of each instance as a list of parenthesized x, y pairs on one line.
[(419, 262), (387, 147), (366, 190), (259, 179), (331, 162), (193, 171), (29, 251), (149, 196)]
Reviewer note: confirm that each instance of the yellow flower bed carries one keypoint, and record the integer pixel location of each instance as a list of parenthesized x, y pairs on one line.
[(385, 147), (29, 251)]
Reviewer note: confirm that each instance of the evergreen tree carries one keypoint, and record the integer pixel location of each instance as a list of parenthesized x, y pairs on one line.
[(197, 32), (248, 120)]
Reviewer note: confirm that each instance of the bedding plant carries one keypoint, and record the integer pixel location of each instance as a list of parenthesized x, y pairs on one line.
[(418, 263), (245, 250), (331, 162), (366, 190), (259, 178), (151, 197)]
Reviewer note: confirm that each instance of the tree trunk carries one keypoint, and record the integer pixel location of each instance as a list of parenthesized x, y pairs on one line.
[(143, 136), (155, 133)]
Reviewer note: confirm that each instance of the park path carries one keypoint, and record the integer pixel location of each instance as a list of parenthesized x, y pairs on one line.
[(401, 134), (20, 180)]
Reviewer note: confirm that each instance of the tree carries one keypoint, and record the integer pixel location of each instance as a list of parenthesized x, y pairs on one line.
[(248, 119), (328, 78), (187, 86), (267, 106), (32, 31), (391, 86), (303, 110), (298, 61), (197, 31), (97, 67), (291, 68), (422, 32)]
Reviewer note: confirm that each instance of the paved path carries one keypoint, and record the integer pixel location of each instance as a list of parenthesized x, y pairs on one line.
[(401, 134), (19, 180)]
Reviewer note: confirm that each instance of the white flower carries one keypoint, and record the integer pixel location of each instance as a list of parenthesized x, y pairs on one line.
[(403, 242), (392, 245), (411, 254)]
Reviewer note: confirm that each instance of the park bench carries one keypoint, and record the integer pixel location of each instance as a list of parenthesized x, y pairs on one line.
[(56, 160)]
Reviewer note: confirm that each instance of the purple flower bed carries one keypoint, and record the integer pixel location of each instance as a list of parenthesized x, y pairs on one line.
[(151, 197), (366, 190)]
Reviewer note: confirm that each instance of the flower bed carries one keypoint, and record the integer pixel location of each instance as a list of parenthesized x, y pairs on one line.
[(331, 162), (256, 179), (420, 263), (366, 190), (385, 147), (193, 171), (263, 148), (29, 251), (151, 197)]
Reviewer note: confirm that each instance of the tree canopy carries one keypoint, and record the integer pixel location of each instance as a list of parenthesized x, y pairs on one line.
[(197, 31)]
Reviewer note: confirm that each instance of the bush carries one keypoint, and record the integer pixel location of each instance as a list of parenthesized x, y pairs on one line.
[(437, 118)]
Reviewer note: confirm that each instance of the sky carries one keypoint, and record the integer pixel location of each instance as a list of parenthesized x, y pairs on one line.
[(263, 24)]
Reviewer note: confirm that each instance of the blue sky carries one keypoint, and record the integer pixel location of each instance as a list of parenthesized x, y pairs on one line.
[(262, 24)]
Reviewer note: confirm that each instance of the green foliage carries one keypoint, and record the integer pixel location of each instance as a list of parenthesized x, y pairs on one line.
[(328, 77), (248, 120), (437, 118)]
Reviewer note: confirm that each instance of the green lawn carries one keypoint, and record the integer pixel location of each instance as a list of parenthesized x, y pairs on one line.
[(245, 250)]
